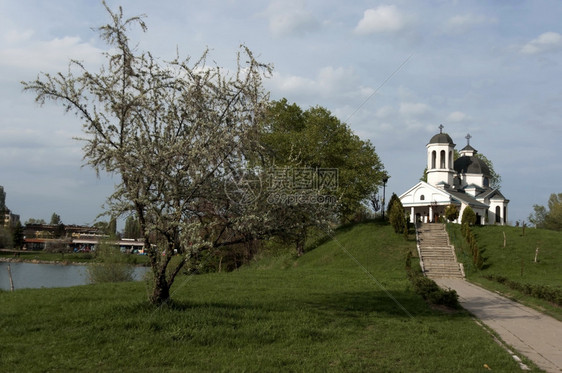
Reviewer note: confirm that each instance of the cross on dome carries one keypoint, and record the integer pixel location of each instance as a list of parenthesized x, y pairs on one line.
[(441, 128), (468, 137)]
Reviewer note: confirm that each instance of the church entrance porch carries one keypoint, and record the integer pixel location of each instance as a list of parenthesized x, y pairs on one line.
[(426, 214)]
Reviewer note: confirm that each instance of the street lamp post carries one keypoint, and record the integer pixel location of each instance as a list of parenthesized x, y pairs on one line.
[(384, 180)]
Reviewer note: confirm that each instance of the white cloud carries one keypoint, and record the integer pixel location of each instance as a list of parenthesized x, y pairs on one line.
[(460, 23), (14, 36), (329, 81), (411, 109), (51, 54), (457, 116), (384, 112), (546, 42), (385, 18), (290, 18)]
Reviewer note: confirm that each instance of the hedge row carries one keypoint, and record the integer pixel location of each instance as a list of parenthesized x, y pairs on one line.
[(544, 292), (470, 238), (428, 289)]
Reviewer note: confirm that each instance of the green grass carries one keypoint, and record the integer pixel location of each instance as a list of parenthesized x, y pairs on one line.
[(516, 260), (345, 306)]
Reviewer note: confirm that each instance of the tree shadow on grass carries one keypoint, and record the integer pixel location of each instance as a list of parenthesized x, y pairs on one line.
[(485, 262), (350, 306), (349, 226), (396, 304), (174, 305)]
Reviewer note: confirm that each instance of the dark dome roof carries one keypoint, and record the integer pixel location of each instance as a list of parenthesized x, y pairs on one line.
[(471, 165), (441, 138)]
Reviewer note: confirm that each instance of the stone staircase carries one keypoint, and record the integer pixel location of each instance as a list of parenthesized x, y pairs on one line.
[(437, 256)]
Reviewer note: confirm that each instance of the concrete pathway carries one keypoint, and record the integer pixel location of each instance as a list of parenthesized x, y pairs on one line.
[(533, 334)]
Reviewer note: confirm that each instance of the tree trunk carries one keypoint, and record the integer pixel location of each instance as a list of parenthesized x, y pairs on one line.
[(300, 245), (161, 290), (301, 241)]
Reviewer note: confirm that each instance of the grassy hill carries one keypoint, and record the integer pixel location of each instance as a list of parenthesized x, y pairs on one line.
[(516, 261), (345, 306)]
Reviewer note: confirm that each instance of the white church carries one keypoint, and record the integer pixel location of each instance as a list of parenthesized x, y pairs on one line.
[(464, 182)]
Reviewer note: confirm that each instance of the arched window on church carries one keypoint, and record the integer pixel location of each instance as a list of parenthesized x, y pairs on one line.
[(433, 158), (442, 159), (486, 182), (498, 217), (422, 198), (451, 160), (504, 214)]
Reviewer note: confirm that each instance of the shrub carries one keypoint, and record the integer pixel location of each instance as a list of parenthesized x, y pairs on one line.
[(397, 217), (468, 216), (451, 212), (429, 290), (112, 266)]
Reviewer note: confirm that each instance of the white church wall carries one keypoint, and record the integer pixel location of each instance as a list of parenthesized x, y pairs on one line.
[(497, 212), (475, 179), (421, 195)]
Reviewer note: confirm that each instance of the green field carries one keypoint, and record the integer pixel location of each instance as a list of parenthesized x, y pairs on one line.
[(345, 306), (515, 261)]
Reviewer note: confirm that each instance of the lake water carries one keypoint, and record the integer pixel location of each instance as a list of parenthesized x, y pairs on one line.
[(31, 275)]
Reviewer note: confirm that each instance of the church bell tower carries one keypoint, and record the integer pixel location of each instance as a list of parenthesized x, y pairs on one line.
[(440, 166)]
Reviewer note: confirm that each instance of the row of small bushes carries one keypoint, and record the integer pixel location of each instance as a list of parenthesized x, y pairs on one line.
[(544, 292), (428, 289), (468, 219)]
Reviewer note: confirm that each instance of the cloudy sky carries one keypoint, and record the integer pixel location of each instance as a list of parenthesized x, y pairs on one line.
[(393, 70)]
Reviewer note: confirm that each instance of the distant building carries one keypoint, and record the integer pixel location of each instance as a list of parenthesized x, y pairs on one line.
[(76, 238), (463, 182), (7, 219)]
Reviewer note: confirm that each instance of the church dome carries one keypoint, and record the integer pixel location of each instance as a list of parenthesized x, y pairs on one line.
[(441, 138), (471, 165)]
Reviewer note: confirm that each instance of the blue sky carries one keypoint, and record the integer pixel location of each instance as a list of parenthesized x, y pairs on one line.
[(393, 70)]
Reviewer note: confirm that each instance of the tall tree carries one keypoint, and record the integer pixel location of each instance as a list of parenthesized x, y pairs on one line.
[(554, 218), (17, 235), (108, 228), (316, 139), (5, 238), (55, 219), (2, 199), (112, 227), (301, 147), (393, 198), (132, 228), (538, 216), (549, 217), (396, 215), (173, 132)]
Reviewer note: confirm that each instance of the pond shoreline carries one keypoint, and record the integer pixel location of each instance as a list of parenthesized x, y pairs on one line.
[(38, 261), (58, 262)]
